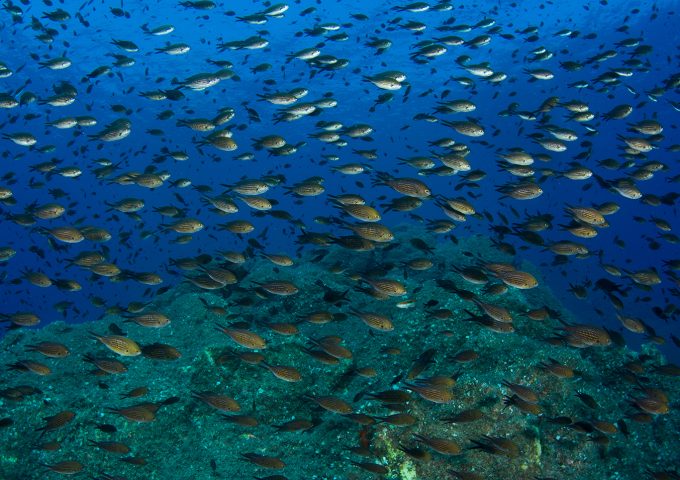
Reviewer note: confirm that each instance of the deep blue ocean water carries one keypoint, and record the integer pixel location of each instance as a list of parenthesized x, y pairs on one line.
[(599, 26)]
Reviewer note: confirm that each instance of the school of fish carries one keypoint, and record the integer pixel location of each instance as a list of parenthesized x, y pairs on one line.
[(333, 240)]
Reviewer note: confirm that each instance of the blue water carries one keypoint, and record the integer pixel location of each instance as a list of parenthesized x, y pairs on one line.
[(396, 134), (639, 408)]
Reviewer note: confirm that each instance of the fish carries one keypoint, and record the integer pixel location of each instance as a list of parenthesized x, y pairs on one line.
[(119, 344), (440, 445), (66, 467), (50, 349), (219, 402), (56, 421), (400, 217)]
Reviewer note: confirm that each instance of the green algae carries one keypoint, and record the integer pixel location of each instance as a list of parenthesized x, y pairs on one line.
[(188, 437)]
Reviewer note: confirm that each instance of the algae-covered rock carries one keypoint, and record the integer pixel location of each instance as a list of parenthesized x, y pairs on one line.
[(561, 435)]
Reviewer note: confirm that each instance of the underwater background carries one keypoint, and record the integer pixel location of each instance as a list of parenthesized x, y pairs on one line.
[(339, 240)]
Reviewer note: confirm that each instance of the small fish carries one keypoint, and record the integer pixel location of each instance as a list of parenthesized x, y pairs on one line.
[(119, 344)]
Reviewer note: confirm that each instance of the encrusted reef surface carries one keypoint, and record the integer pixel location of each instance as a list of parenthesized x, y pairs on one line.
[(439, 392)]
